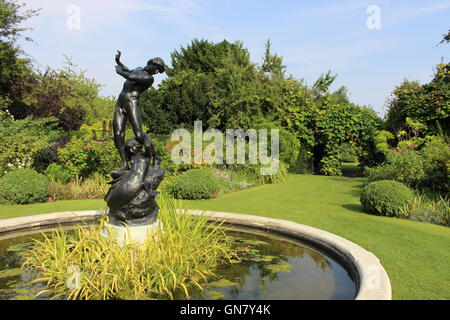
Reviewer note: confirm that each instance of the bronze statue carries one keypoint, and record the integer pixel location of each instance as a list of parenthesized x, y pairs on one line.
[(128, 107), (131, 197)]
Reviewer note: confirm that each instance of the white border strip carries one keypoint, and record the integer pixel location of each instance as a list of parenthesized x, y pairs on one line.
[(372, 279)]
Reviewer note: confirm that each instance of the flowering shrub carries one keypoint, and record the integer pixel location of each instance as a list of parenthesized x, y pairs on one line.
[(424, 168), (416, 160), (83, 157)]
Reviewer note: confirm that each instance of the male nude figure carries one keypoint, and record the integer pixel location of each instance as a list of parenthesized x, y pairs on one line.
[(128, 107)]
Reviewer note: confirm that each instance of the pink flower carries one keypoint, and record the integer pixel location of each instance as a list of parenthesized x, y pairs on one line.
[(101, 142), (67, 143), (399, 151)]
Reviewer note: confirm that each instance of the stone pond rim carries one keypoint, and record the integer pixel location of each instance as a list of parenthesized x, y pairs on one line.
[(371, 279)]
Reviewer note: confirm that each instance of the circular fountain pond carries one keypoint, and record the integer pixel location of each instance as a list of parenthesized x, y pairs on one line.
[(271, 267), (279, 260)]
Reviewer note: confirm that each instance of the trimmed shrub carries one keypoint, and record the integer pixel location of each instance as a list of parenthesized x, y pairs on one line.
[(57, 173), (23, 186), (195, 184), (386, 198)]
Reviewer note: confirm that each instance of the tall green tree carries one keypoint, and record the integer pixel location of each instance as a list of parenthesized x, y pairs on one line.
[(428, 103), (215, 83), (12, 64)]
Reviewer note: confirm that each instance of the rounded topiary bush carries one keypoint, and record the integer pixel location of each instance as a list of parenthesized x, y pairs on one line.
[(386, 198), (194, 185), (23, 186)]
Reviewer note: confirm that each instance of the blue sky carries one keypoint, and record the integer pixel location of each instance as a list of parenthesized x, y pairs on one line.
[(312, 36)]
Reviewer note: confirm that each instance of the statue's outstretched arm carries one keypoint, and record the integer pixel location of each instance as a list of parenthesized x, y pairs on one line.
[(119, 63)]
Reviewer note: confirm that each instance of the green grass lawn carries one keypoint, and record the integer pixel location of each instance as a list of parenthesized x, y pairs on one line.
[(416, 255)]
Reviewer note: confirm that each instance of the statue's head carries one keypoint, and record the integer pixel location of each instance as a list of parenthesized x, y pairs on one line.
[(132, 146), (155, 65)]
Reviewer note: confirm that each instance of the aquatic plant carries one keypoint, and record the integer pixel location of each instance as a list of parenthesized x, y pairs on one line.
[(183, 254)]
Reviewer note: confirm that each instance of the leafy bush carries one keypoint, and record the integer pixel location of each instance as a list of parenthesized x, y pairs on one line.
[(386, 198), (436, 161), (57, 173), (23, 186), (21, 140), (184, 253), (405, 166), (195, 184)]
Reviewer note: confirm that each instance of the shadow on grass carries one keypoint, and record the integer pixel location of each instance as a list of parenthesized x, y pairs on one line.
[(354, 207)]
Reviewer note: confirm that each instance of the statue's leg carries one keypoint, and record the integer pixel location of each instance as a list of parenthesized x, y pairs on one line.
[(119, 126), (135, 118)]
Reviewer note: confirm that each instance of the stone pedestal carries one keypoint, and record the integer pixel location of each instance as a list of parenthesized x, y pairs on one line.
[(136, 233)]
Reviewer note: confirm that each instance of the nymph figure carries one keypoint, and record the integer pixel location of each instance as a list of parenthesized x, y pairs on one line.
[(128, 107)]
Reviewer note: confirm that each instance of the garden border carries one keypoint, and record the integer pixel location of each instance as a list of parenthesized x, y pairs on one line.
[(371, 278)]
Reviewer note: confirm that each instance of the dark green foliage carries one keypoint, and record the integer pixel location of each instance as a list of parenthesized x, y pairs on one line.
[(446, 37), (272, 64), (64, 93), (23, 186), (428, 104), (214, 83), (289, 143), (57, 173), (195, 184), (325, 120), (203, 56), (386, 198), (348, 123), (12, 67), (217, 84), (436, 159)]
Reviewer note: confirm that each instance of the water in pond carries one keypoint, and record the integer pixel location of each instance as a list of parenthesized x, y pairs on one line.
[(271, 268)]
